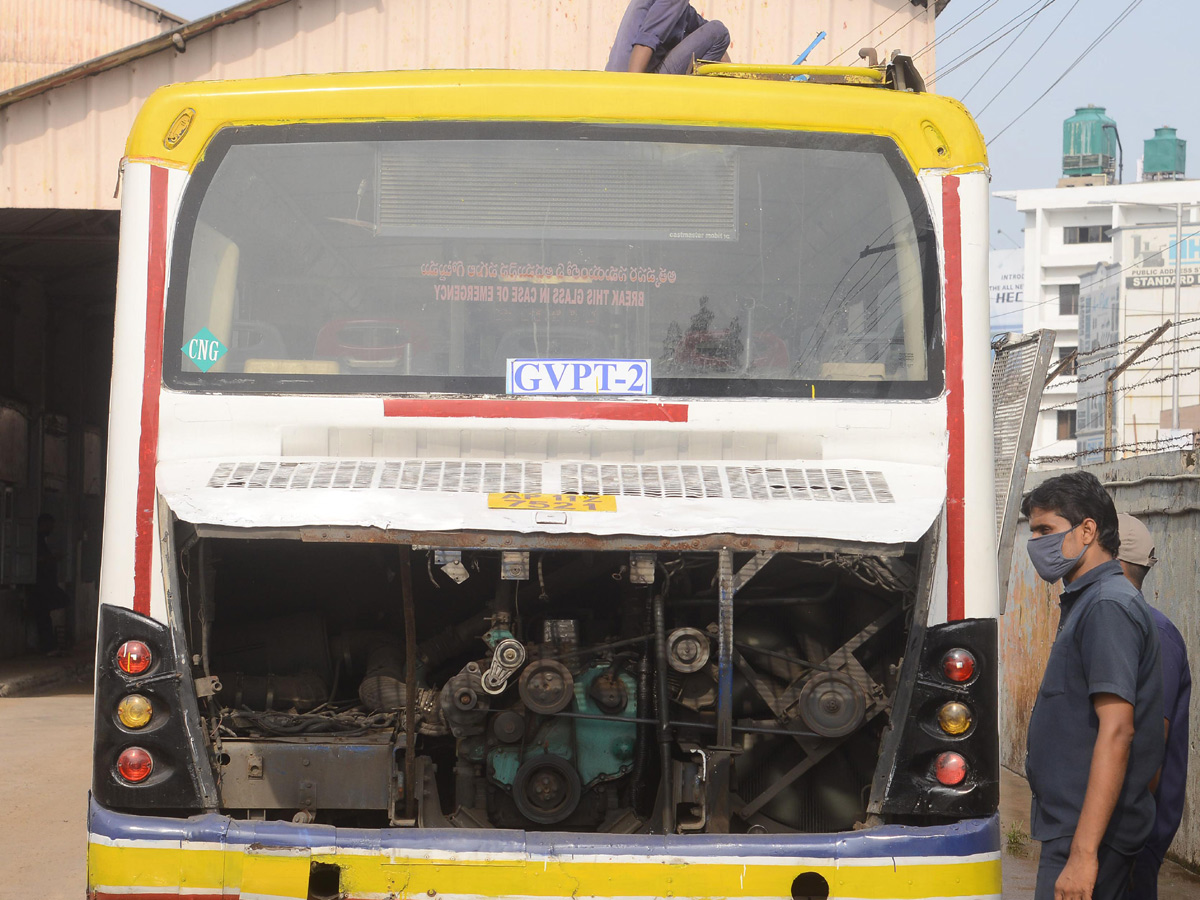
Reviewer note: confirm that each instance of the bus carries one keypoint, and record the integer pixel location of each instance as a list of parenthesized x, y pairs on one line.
[(550, 484)]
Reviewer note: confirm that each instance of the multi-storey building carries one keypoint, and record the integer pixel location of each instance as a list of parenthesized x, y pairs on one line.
[(1069, 231)]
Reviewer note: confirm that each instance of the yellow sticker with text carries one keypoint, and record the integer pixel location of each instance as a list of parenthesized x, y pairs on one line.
[(563, 502)]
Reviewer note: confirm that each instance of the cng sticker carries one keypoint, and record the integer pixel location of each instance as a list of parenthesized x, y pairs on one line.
[(204, 349)]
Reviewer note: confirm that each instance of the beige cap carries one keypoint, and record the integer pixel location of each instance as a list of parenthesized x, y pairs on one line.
[(1137, 547)]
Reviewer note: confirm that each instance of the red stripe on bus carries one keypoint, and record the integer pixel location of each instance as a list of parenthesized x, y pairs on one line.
[(156, 277), (956, 472), (535, 409)]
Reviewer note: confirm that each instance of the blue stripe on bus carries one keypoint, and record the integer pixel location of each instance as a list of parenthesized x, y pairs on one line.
[(965, 838)]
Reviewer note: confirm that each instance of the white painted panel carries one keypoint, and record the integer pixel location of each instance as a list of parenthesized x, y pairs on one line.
[(918, 493)]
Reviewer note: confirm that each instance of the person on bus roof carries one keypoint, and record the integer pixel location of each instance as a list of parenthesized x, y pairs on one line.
[(665, 36), (1136, 557), (1095, 738)]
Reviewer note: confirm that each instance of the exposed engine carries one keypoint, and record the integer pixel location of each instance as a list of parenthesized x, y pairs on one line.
[(565, 690)]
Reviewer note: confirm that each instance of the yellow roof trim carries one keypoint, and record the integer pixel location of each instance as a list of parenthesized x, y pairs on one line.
[(860, 73), (931, 131)]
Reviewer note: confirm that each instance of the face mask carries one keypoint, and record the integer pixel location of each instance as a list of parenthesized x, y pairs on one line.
[(1046, 555)]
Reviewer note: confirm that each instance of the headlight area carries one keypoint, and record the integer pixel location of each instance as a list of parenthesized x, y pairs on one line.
[(947, 759), (143, 757)]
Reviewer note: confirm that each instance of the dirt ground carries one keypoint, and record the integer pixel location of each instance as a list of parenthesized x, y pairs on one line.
[(46, 741)]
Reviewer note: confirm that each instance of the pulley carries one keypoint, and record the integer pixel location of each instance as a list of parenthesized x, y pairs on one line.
[(687, 650), (546, 687), (546, 789), (832, 704)]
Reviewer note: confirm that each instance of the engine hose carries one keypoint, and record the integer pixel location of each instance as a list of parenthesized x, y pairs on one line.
[(641, 747), (664, 719)]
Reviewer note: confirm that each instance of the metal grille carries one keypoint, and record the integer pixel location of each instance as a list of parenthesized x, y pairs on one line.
[(667, 480), (698, 482), (1014, 372), (686, 481), (1018, 378), (452, 476), (584, 190), (790, 483)]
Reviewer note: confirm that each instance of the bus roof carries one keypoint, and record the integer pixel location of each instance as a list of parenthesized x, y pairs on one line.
[(177, 122)]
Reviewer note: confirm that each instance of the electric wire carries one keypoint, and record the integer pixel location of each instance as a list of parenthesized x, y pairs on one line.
[(1087, 50), (1021, 68), (987, 40), (970, 17), (858, 43), (1004, 53)]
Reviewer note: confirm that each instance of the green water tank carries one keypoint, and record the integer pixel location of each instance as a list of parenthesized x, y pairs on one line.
[(1089, 143), (1165, 156)]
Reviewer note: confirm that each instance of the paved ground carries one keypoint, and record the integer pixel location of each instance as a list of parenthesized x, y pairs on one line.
[(45, 769), (21, 677), (45, 765), (1021, 856)]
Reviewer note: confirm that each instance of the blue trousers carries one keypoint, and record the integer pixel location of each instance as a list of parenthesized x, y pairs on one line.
[(1144, 883), (1112, 878), (709, 41)]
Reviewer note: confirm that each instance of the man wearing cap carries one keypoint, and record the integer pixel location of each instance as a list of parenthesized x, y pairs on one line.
[(666, 37), (1136, 557), (1095, 733)]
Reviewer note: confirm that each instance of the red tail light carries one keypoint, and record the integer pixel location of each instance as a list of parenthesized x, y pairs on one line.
[(950, 769), (134, 764), (958, 665), (133, 657)]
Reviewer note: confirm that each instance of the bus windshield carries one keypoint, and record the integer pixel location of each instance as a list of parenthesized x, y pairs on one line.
[(424, 258)]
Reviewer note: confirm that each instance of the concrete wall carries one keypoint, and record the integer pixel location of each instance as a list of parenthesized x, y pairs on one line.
[(1163, 490)]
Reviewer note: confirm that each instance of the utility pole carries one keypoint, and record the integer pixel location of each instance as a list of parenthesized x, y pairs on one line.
[(1116, 373)]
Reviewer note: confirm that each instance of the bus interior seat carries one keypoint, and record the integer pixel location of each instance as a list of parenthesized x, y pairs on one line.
[(376, 344), (852, 371), (291, 367), (253, 340)]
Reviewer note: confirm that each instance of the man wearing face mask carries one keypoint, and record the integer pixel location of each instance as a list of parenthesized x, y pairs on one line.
[(1095, 734)]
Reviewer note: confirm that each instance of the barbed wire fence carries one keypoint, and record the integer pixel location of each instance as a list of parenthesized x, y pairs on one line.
[(1086, 357)]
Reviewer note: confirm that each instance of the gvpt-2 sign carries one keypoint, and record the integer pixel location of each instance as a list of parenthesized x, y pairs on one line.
[(578, 376)]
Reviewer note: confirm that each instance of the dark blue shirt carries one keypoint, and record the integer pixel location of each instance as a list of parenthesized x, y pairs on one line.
[(657, 24), (1177, 697), (1107, 644)]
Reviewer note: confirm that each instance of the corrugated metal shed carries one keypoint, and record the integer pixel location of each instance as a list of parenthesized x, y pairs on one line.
[(40, 37), (62, 138)]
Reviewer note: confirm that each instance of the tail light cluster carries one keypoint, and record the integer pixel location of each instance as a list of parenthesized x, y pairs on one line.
[(142, 758), (948, 758)]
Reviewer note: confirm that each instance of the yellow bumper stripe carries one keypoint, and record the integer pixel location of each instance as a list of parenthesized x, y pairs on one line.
[(275, 873)]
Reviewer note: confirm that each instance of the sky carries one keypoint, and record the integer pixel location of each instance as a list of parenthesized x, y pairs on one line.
[(999, 56), (1141, 73)]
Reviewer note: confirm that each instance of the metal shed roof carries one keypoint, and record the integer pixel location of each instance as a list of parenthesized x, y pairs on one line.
[(62, 136), (41, 37)]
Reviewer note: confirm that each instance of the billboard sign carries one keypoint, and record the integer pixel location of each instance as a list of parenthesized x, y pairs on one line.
[(1006, 288), (1098, 336), (1153, 257)]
